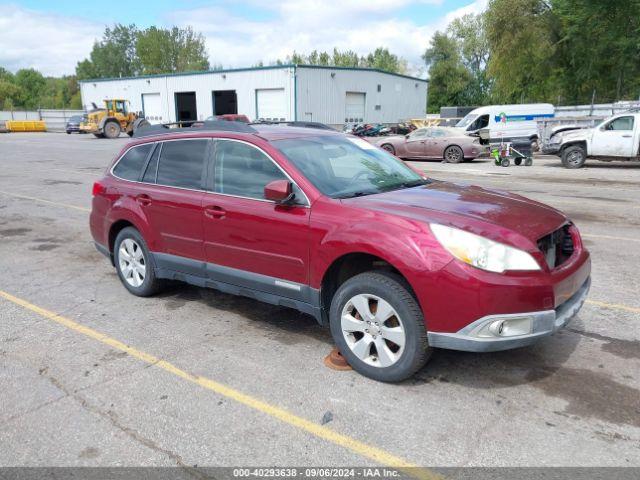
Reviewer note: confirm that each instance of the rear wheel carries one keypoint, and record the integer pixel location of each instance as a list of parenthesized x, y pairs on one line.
[(389, 148), (133, 263), (453, 154), (574, 157), (378, 327), (111, 129)]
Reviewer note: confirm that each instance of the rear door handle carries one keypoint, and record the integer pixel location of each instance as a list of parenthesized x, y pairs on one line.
[(214, 211), (143, 199), (627, 136)]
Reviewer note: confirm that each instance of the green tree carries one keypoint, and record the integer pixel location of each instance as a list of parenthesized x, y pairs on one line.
[(171, 50), (5, 75), (10, 95), (382, 59), (522, 39), (469, 32), (449, 79), (113, 56), (32, 84), (598, 49)]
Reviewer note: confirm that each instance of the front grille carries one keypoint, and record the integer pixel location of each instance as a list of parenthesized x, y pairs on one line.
[(557, 247)]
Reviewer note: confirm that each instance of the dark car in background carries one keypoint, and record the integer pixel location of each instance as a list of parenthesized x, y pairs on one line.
[(73, 124)]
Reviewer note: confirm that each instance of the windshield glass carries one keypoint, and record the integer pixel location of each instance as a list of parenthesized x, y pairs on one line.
[(343, 167), (466, 121)]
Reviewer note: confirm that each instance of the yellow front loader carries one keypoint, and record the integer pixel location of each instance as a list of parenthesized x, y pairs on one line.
[(114, 118)]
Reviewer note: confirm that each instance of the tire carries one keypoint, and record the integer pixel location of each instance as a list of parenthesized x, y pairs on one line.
[(453, 154), (68, 132), (574, 157), (111, 129), (528, 162), (373, 288), (505, 162), (389, 148), (535, 144), (131, 249), (518, 161)]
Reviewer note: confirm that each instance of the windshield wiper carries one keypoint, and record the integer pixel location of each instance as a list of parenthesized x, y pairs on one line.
[(359, 193)]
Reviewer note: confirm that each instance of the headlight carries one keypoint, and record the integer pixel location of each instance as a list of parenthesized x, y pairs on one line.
[(481, 252)]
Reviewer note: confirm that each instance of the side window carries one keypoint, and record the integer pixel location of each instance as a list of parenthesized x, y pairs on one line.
[(420, 133), (621, 123), (182, 163), (436, 132), (152, 168), (243, 170), (130, 165)]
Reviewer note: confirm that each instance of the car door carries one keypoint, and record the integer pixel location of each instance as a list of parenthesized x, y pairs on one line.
[(171, 196), (416, 143), (614, 138), (434, 146), (249, 241)]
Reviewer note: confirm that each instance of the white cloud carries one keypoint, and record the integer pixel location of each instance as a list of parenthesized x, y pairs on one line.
[(316, 25), (52, 44)]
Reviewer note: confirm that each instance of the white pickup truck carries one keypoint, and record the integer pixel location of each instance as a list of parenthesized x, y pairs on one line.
[(616, 138)]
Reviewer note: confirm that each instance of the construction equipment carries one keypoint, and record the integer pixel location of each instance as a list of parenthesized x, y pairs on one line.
[(114, 118)]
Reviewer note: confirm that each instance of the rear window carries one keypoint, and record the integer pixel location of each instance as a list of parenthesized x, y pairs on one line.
[(130, 165), (182, 163)]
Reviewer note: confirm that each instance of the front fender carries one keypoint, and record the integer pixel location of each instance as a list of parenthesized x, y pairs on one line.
[(409, 247)]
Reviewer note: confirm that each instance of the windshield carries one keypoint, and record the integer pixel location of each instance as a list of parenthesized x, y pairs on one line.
[(76, 118), (466, 121), (343, 167)]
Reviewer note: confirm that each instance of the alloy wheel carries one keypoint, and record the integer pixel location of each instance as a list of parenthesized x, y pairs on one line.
[(133, 265), (373, 330)]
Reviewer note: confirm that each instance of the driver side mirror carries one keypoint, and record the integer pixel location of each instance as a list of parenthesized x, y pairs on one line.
[(279, 191)]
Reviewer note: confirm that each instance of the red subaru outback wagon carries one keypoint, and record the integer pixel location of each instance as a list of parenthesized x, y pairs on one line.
[(395, 263)]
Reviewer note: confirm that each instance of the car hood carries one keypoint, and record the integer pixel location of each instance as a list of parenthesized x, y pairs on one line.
[(575, 134), (470, 208)]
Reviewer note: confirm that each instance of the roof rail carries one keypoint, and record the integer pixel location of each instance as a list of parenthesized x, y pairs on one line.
[(296, 123), (192, 126)]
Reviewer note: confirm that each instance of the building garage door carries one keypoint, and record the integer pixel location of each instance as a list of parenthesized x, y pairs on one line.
[(271, 104), (354, 107), (152, 107)]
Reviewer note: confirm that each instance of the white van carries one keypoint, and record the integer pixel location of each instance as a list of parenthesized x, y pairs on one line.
[(507, 122)]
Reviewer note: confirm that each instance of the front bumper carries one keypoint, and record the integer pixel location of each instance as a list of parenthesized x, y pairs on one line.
[(542, 323), (551, 149)]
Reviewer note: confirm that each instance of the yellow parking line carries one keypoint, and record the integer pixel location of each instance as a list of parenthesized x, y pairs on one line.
[(373, 453), (614, 306), (609, 237), (41, 200)]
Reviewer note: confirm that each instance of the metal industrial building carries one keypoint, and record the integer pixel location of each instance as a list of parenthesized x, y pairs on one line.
[(331, 95)]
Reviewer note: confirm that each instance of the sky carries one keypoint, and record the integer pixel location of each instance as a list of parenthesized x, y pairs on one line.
[(52, 36)]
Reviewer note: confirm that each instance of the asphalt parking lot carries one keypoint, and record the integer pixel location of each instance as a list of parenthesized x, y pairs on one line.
[(203, 378)]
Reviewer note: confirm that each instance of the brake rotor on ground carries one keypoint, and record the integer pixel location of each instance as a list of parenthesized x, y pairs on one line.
[(336, 361)]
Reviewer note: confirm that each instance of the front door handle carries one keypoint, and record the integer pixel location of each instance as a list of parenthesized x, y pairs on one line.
[(627, 136), (143, 199), (214, 211)]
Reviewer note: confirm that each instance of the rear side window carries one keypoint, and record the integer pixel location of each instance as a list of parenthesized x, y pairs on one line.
[(130, 165), (181, 163), (243, 170)]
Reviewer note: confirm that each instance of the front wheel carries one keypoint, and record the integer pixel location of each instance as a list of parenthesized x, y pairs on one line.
[(453, 154), (133, 263), (574, 157), (112, 129), (378, 327)]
